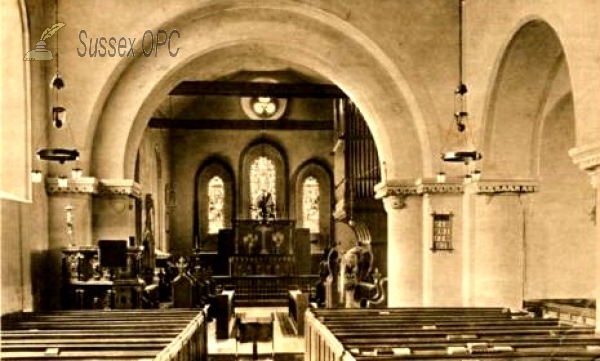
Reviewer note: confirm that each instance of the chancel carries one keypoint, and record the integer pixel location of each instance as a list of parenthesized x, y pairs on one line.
[(390, 179)]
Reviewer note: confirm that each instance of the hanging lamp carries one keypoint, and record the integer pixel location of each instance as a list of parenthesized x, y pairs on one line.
[(459, 145)]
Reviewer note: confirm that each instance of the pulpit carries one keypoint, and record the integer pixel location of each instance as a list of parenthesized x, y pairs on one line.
[(94, 277)]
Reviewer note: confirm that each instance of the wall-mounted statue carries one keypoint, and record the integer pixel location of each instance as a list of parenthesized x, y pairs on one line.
[(149, 253)]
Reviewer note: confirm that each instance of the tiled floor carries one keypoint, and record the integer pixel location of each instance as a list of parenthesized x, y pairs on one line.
[(286, 347)]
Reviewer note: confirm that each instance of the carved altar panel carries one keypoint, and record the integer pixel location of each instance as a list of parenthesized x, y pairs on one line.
[(255, 237)]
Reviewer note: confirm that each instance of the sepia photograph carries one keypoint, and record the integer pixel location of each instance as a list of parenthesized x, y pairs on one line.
[(288, 180)]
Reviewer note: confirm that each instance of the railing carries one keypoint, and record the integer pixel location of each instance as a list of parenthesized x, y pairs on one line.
[(265, 289), (191, 344), (320, 343)]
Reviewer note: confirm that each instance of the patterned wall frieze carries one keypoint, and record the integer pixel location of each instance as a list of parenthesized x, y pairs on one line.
[(395, 188), (119, 187), (416, 188), (430, 186), (86, 185), (421, 187), (505, 186), (587, 157)]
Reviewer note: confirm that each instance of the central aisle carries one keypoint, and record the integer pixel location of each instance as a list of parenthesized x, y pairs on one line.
[(287, 345)]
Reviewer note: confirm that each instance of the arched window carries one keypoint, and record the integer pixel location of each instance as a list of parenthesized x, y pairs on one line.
[(310, 204), (262, 181), (216, 203), (213, 202)]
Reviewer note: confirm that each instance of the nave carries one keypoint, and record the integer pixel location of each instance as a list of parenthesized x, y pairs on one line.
[(466, 333)]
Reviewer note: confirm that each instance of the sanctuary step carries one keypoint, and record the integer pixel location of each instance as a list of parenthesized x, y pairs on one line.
[(265, 290)]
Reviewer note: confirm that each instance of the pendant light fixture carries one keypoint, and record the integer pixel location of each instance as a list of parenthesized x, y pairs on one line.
[(458, 143), (59, 120)]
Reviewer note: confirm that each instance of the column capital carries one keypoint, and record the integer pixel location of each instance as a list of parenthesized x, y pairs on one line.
[(87, 185), (587, 158), (120, 187), (394, 202)]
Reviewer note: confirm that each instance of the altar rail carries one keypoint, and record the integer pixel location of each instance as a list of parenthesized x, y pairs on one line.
[(160, 335), (265, 290), (443, 334)]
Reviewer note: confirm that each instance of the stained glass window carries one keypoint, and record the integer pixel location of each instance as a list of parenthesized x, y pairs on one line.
[(310, 204), (216, 201), (262, 181)]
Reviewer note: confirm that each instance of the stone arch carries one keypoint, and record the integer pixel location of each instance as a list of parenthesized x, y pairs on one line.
[(15, 165), (522, 83), (530, 125), (355, 64)]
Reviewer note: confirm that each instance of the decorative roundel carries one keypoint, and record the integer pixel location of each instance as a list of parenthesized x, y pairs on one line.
[(263, 107)]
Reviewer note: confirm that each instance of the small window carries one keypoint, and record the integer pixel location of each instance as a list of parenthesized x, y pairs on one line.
[(310, 204), (216, 202), (442, 232)]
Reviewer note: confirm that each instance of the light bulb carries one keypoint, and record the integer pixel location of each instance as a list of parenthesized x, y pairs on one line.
[(62, 182), (441, 177), (36, 176), (76, 173)]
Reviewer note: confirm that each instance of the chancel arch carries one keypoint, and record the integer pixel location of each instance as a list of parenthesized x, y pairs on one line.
[(213, 202), (263, 167), (15, 127), (313, 194), (368, 78)]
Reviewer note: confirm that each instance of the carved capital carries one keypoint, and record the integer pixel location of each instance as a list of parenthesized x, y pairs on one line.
[(87, 185), (394, 202), (587, 156), (506, 186), (120, 187)]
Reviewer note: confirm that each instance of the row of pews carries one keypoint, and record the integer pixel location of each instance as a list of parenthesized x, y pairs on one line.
[(161, 335), (443, 334)]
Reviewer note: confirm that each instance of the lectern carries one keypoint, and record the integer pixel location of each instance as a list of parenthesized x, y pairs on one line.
[(255, 329)]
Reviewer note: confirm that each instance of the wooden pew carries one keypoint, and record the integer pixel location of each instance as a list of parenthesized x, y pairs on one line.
[(91, 335), (432, 334), (297, 306), (224, 313)]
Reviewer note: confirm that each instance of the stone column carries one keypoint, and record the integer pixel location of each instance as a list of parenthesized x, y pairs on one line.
[(405, 263), (587, 157), (442, 261), (495, 212), (64, 230), (115, 210)]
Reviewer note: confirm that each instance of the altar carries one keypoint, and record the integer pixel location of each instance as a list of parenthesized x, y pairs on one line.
[(274, 237), (263, 259)]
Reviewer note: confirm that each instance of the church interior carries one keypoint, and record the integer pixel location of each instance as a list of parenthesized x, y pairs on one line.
[(335, 179)]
